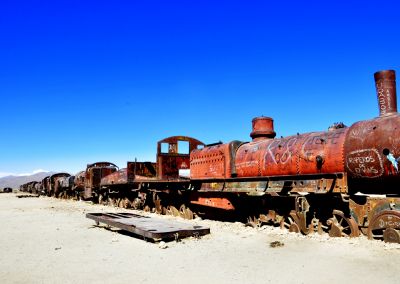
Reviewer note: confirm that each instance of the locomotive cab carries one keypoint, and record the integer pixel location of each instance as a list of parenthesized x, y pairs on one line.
[(173, 156)]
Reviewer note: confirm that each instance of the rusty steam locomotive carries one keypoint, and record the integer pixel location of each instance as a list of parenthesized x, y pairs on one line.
[(344, 181)]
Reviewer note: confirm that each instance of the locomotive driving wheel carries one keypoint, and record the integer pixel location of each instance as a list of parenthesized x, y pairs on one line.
[(290, 223), (342, 226), (386, 226)]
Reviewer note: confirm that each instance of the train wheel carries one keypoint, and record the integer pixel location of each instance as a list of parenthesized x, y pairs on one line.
[(136, 204), (157, 203), (253, 222), (386, 226), (112, 202), (290, 224), (185, 212), (342, 226), (171, 210), (125, 202), (121, 202)]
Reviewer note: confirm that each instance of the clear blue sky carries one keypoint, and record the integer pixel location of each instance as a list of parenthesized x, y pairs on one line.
[(82, 81)]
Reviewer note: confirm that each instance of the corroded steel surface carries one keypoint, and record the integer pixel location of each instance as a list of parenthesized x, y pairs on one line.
[(215, 161), (385, 83), (118, 177), (263, 127), (215, 202), (310, 153), (372, 150)]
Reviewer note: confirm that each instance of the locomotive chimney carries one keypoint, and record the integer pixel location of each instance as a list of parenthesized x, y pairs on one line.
[(385, 83), (263, 128)]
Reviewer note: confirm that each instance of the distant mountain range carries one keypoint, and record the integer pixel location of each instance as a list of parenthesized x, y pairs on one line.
[(15, 181)]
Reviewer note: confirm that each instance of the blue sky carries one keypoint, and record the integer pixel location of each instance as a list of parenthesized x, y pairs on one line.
[(82, 81)]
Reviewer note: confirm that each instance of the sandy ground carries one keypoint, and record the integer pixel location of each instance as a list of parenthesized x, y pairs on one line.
[(44, 240)]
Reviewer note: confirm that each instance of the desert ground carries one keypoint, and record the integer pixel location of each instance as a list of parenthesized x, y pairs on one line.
[(45, 240)]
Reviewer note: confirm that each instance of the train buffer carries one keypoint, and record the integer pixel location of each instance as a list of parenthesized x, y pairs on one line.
[(154, 228)]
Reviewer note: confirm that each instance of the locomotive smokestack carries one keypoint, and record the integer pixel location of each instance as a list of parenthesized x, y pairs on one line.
[(385, 83), (263, 127)]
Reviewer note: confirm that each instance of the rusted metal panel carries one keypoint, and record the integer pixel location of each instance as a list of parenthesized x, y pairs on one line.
[(211, 162), (215, 161), (149, 227), (372, 148), (322, 152), (118, 177), (215, 202)]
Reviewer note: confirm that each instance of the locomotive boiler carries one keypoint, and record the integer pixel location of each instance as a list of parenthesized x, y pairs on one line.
[(313, 181)]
